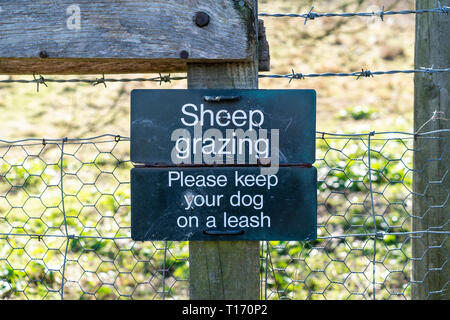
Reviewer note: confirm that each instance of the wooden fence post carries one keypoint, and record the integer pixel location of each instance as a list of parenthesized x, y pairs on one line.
[(225, 269), (431, 184)]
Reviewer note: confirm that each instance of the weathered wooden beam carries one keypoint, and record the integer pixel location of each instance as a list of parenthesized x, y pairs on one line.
[(125, 36), (227, 269)]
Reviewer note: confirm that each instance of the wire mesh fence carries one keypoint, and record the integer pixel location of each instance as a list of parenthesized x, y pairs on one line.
[(65, 224)]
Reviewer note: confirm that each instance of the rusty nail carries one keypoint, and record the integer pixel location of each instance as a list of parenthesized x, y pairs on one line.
[(201, 19), (43, 54), (184, 54)]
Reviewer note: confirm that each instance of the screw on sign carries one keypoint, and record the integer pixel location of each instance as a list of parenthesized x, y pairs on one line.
[(223, 165)]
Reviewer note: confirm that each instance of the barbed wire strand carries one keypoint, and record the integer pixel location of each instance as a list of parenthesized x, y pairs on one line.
[(102, 80), (311, 15), (364, 73), (359, 74)]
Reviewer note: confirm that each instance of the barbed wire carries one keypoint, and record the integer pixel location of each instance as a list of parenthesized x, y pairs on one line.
[(364, 73), (102, 80), (381, 13), (160, 79)]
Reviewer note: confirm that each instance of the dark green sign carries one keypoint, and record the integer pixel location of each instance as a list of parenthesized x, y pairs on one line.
[(225, 203), (248, 126), (223, 165)]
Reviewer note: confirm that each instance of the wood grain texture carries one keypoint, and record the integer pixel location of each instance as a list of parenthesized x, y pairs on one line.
[(222, 270), (149, 34), (89, 66), (263, 48), (225, 269), (431, 183)]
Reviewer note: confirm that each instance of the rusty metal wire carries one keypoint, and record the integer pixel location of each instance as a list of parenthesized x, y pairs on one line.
[(65, 225)]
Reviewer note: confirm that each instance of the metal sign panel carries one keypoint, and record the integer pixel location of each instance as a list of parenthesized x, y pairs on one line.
[(223, 203), (286, 118)]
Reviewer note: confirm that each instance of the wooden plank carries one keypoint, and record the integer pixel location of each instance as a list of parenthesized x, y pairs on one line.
[(225, 269), (123, 36), (431, 185)]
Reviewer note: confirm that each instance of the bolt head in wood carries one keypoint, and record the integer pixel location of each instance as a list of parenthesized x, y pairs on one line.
[(43, 54), (184, 54), (201, 19)]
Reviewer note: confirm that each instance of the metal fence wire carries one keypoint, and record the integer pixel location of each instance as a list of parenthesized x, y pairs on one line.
[(65, 224), (40, 81), (380, 13)]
